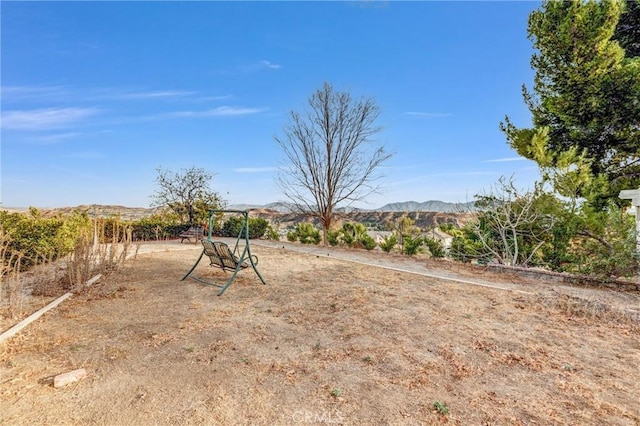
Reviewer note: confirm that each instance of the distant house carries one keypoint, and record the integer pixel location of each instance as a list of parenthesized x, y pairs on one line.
[(441, 236), (379, 236)]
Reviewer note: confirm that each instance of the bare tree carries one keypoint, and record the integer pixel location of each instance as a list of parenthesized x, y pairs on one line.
[(330, 160), (187, 193)]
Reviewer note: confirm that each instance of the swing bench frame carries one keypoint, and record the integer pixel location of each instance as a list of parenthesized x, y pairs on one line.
[(221, 255)]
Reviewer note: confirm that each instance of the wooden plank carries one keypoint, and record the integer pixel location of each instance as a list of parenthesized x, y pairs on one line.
[(70, 377), (34, 316)]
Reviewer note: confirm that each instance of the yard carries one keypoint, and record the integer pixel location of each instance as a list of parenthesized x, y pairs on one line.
[(326, 341)]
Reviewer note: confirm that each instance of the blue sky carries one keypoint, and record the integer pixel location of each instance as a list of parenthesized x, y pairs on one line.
[(97, 96)]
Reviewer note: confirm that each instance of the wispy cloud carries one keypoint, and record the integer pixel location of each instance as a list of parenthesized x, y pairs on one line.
[(269, 65), (46, 118), (259, 66), (428, 114), (255, 169), (56, 93), (53, 138), (222, 111), (155, 94), (505, 160), (32, 93)]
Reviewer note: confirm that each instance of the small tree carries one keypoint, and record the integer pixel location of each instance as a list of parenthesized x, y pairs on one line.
[(404, 228), (510, 225), (187, 193), (329, 156)]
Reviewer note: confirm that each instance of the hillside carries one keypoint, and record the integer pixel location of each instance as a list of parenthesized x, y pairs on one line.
[(423, 219), (428, 206)]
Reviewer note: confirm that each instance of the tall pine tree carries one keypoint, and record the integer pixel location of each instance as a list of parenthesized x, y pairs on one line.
[(586, 91)]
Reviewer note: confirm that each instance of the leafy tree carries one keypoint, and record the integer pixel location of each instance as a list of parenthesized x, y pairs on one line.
[(187, 193), (582, 234), (329, 153), (403, 228), (628, 29), (585, 91)]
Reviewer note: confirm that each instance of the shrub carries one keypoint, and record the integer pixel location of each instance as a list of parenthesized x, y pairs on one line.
[(333, 237), (234, 227), (38, 239), (272, 234), (436, 248), (306, 233), (368, 242), (157, 227), (466, 246), (412, 245), (389, 243), (355, 235)]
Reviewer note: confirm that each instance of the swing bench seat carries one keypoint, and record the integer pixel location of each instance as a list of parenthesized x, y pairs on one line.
[(221, 256)]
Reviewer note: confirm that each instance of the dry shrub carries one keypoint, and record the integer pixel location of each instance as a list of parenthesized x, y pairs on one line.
[(98, 254), (10, 284)]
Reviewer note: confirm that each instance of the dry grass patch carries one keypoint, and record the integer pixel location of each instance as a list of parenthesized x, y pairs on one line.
[(326, 341)]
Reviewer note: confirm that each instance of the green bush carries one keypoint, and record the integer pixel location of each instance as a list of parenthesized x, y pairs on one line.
[(413, 245), (333, 237), (389, 243), (368, 242), (35, 239), (272, 234), (234, 227), (466, 246), (306, 233), (355, 235), (436, 248), (156, 227)]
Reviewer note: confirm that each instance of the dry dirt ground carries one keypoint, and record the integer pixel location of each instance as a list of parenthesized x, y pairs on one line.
[(326, 341)]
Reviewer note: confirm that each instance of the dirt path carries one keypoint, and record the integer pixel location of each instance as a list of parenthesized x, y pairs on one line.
[(324, 342)]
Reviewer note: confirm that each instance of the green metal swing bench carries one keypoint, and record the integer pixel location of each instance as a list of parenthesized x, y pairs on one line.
[(220, 254)]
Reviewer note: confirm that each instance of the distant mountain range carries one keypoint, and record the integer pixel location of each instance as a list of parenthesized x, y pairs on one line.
[(133, 213), (406, 206)]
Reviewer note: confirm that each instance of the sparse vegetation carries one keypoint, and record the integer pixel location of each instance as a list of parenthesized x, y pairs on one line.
[(440, 407), (61, 253)]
